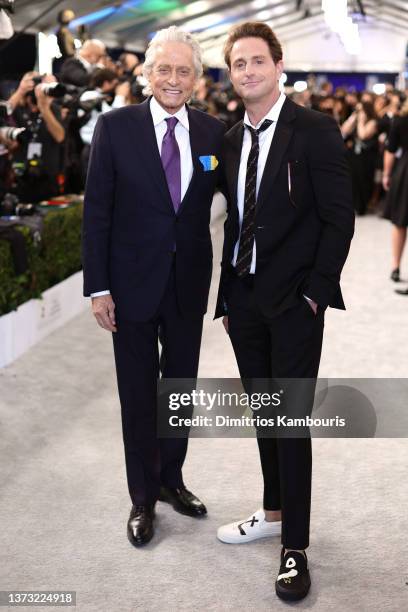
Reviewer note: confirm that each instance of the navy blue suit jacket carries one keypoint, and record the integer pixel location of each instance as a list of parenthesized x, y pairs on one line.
[(130, 227)]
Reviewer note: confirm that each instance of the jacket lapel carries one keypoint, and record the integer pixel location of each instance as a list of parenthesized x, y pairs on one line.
[(197, 135), (148, 150), (281, 138), (233, 157)]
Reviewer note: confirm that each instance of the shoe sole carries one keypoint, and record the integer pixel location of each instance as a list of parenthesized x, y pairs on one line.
[(231, 540), (180, 511), (287, 596)]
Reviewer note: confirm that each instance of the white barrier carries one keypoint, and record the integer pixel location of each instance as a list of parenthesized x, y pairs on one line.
[(34, 320)]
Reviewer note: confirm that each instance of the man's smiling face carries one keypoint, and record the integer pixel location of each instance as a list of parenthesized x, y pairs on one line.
[(253, 72), (173, 77)]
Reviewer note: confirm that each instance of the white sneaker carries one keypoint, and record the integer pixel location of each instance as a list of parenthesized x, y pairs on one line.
[(253, 528)]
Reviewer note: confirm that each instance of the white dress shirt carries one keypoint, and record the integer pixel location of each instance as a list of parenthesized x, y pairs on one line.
[(265, 141), (87, 130), (182, 134)]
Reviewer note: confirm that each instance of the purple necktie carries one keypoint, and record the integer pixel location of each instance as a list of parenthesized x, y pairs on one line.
[(170, 155)]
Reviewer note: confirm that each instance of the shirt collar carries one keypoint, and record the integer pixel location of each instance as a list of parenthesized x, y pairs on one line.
[(87, 65), (159, 114), (272, 114)]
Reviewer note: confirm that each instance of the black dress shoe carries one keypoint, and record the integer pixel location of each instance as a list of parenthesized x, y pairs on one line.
[(293, 581), (140, 528), (395, 275), (402, 291), (183, 501)]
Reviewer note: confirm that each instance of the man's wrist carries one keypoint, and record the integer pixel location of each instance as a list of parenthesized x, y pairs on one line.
[(45, 105), (100, 293)]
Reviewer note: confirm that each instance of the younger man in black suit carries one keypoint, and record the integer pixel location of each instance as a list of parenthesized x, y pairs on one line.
[(287, 236)]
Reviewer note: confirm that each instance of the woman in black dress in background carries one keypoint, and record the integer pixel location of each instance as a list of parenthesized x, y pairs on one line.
[(395, 182), (362, 128)]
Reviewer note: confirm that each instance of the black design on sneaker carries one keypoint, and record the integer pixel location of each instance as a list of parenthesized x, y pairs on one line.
[(252, 522), (251, 528), (293, 581)]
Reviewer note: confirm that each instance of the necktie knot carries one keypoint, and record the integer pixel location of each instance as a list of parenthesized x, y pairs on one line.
[(255, 132), (171, 123)]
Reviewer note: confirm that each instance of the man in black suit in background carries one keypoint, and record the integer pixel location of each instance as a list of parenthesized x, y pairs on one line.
[(148, 259), (287, 236), (77, 70)]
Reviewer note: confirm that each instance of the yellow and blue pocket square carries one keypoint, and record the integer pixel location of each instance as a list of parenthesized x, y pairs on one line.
[(209, 162)]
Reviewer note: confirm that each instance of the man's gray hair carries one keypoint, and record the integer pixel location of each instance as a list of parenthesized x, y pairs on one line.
[(93, 42), (171, 34)]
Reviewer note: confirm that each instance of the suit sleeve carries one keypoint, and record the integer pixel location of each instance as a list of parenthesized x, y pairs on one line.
[(221, 308), (98, 209), (331, 182), (222, 178)]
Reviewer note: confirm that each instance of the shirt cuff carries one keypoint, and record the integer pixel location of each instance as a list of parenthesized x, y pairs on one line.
[(98, 293)]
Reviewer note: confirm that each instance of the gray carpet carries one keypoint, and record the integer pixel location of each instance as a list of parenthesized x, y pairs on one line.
[(64, 502)]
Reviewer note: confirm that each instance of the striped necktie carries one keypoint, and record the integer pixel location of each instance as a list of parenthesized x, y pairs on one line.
[(247, 236)]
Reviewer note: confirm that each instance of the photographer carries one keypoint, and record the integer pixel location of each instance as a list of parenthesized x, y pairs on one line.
[(129, 68), (127, 64), (38, 156), (105, 93)]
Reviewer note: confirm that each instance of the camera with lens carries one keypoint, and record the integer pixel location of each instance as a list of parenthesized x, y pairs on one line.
[(88, 104), (18, 134), (11, 206), (53, 90)]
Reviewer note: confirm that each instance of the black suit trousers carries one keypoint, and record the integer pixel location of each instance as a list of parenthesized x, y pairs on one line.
[(286, 346), (152, 462)]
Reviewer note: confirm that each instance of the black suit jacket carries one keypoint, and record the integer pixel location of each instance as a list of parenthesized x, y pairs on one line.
[(130, 228), (303, 233), (74, 72)]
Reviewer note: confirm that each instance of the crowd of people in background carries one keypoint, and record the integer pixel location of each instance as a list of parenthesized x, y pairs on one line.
[(375, 132), (55, 116)]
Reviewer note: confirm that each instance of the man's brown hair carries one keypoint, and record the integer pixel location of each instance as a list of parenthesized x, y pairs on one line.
[(253, 29)]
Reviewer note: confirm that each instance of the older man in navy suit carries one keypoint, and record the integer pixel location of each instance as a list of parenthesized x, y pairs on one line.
[(147, 259)]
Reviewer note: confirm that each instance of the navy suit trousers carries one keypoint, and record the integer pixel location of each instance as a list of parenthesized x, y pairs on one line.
[(152, 462)]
